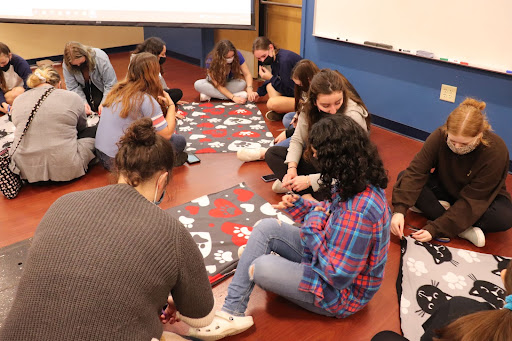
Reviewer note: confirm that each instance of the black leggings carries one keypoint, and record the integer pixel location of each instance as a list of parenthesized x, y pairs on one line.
[(175, 94), (388, 335), (275, 157), (498, 216)]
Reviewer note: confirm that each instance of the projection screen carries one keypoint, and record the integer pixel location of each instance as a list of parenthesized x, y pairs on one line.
[(235, 14)]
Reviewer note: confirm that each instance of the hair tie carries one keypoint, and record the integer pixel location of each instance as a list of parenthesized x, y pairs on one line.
[(41, 78), (508, 299)]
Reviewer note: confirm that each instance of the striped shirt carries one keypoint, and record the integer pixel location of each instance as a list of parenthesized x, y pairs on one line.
[(345, 251)]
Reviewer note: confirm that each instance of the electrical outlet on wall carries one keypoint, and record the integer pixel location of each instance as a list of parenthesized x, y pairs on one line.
[(448, 93)]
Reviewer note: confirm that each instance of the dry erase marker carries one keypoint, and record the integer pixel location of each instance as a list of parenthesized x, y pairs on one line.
[(509, 71), (464, 63), (444, 59), (453, 61), (403, 50)]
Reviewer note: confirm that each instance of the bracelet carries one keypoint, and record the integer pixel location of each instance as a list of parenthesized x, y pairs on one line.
[(309, 181), (290, 167), (232, 98), (250, 86)]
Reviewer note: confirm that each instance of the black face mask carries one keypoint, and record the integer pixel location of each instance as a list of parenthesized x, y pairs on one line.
[(267, 61), (161, 60), (6, 67)]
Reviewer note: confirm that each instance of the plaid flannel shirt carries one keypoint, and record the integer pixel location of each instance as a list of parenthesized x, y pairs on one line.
[(345, 251)]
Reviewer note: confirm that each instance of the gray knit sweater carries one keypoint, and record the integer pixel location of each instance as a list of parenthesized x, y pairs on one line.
[(101, 266)]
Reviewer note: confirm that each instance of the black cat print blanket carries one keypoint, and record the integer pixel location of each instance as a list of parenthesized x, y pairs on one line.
[(433, 274)]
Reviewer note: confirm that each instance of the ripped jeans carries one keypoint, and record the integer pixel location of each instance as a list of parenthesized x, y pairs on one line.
[(279, 274)]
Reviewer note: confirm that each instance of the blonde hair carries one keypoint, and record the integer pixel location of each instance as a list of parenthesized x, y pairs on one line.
[(74, 50), (468, 120), (43, 74)]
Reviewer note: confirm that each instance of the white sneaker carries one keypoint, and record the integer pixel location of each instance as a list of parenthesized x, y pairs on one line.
[(241, 94), (277, 187), (475, 235), (250, 154), (204, 97), (223, 324)]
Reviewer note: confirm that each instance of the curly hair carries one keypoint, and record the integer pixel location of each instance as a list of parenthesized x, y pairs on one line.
[(326, 82), (219, 69), (142, 153), (348, 160)]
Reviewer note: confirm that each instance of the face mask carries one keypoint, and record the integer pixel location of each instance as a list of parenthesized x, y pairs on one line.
[(161, 60), (230, 60), (6, 67), (268, 60), (462, 150), (161, 198)]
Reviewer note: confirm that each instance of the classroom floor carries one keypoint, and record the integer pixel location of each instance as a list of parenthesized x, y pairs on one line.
[(274, 317)]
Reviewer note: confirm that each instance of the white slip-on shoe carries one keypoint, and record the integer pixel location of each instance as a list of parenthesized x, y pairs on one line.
[(241, 94), (204, 97), (250, 154), (277, 187), (223, 324), (475, 235)]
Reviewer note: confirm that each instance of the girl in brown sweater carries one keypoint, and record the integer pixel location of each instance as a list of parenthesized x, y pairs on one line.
[(464, 165)]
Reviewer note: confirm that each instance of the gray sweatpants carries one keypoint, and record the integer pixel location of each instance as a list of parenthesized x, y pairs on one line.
[(203, 86)]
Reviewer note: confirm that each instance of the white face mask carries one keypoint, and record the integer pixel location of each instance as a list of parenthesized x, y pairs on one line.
[(463, 150), (230, 60)]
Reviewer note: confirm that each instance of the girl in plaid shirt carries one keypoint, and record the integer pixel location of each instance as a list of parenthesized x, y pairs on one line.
[(334, 263)]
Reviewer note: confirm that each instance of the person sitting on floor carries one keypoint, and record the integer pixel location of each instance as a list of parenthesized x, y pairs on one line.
[(14, 72), (88, 72), (227, 76), (470, 165), (104, 261), (278, 82), (58, 145), (139, 95), (462, 319), (334, 263), (156, 46), (330, 93), (302, 75)]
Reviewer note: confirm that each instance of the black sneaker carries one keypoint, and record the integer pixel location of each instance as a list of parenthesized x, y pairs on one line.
[(271, 115), (180, 158)]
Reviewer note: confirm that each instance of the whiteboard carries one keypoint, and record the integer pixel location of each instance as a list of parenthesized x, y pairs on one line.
[(475, 32)]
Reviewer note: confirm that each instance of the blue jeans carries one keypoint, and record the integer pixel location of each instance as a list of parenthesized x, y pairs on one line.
[(279, 274), (287, 119)]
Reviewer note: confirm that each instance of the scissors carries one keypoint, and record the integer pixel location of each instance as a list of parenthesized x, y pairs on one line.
[(439, 239)]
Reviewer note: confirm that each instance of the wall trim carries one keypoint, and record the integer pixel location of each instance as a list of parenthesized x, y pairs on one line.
[(407, 131), (108, 50)]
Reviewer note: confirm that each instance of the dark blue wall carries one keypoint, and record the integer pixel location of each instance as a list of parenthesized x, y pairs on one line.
[(405, 89), (189, 44)]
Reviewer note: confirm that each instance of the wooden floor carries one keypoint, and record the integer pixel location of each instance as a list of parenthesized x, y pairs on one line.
[(274, 317)]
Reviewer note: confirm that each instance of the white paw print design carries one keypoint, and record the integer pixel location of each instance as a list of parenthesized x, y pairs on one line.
[(404, 305), (223, 256), (188, 107), (455, 281), (469, 256), (240, 111), (416, 267), (216, 144), (263, 141), (245, 133), (242, 232), (186, 221), (214, 120), (255, 118), (187, 128), (256, 127)]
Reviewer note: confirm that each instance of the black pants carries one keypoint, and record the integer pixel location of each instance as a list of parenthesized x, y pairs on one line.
[(275, 157), (175, 94), (498, 216), (88, 132), (388, 335)]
